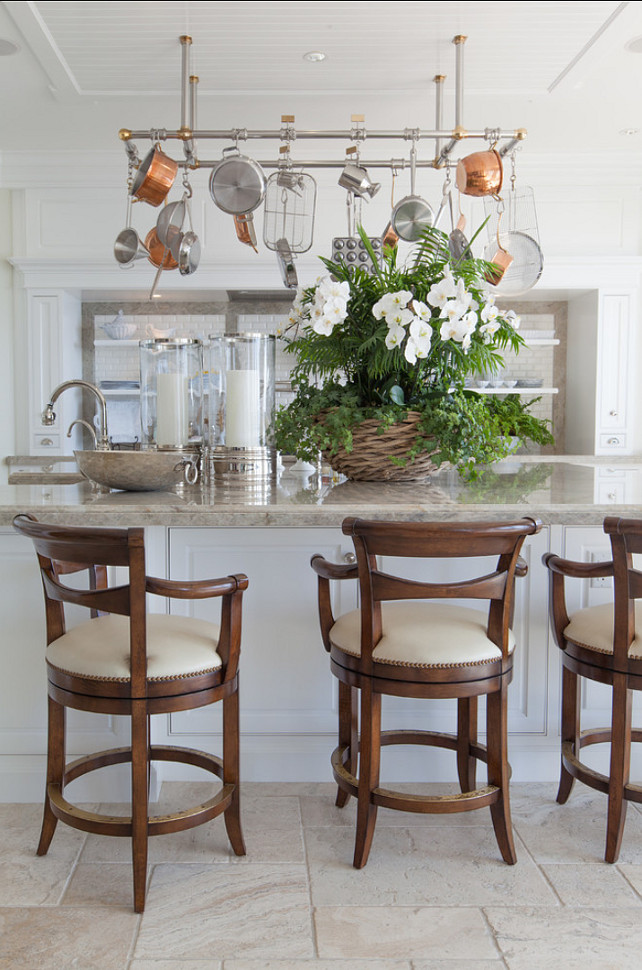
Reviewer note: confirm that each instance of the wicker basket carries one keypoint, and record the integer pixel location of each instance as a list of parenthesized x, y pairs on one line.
[(369, 460)]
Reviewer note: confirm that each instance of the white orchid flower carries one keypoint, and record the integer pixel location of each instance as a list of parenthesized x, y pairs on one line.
[(470, 319), (453, 310), (512, 319), (336, 310), (422, 311), (489, 330), (410, 351), (323, 325), (419, 329), (333, 290), (489, 313), (294, 317), (442, 291), (454, 330), (394, 337), (399, 317)]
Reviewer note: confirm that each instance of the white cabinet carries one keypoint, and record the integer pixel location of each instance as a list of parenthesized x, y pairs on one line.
[(288, 693), (54, 354), (600, 369)]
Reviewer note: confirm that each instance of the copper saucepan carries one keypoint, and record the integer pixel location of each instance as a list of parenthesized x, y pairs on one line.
[(480, 173), (155, 177), (158, 253)]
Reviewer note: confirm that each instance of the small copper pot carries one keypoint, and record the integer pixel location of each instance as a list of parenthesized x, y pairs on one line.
[(155, 177), (156, 250), (480, 173)]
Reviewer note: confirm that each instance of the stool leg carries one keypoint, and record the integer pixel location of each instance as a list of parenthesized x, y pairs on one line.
[(55, 769), (466, 737), (140, 799), (498, 770), (369, 755), (231, 771), (570, 727), (620, 765), (348, 734)]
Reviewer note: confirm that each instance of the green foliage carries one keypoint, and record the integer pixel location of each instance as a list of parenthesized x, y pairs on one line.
[(405, 338)]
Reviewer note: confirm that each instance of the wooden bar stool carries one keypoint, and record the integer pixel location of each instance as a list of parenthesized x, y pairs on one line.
[(429, 650), (601, 644), (123, 661)]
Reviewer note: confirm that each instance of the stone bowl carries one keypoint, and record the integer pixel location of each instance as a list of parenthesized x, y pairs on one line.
[(134, 471)]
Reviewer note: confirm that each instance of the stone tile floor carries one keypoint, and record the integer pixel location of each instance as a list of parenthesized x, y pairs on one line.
[(435, 894)]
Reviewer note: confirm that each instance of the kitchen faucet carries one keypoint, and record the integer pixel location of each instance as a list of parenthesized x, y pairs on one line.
[(49, 415)]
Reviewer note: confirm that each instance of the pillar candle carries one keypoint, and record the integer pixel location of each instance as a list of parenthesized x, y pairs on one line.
[(242, 412), (172, 419)]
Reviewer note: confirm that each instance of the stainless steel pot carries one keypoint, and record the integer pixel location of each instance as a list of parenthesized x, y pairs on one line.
[(412, 214), (237, 184)]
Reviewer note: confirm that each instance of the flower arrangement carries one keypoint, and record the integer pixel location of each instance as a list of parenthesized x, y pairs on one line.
[(402, 342)]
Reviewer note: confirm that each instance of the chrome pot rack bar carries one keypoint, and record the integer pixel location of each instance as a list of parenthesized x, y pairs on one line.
[(188, 133)]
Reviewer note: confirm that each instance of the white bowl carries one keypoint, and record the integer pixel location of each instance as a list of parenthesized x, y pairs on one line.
[(133, 471), (119, 331)]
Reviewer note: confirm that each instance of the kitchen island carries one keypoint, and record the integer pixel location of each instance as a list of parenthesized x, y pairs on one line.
[(288, 701)]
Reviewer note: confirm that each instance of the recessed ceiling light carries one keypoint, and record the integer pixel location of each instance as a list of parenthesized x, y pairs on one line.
[(7, 47), (634, 45), (629, 131), (314, 56)]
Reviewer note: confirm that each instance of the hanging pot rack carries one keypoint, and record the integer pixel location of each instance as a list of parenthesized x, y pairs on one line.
[(188, 132), (446, 141)]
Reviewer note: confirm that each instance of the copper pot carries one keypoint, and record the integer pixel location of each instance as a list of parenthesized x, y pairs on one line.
[(480, 173), (155, 177), (157, 249)]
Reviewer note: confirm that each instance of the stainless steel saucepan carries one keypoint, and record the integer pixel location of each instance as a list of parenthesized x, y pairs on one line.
[(412, 214), (237, 184)]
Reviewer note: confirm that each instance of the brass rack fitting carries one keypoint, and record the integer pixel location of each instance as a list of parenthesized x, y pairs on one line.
[(184, 134), (124, 134), (459, 132)]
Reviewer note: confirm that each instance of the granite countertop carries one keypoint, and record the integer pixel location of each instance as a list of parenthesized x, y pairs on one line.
[(566, 490)]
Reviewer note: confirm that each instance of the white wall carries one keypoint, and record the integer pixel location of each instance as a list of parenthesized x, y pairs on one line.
[(7, 423)]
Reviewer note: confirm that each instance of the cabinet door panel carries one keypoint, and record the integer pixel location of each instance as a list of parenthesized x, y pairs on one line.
[(286, 684)]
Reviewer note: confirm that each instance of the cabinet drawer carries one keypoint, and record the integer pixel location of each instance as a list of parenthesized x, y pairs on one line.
[(612, 441), (43, 441)]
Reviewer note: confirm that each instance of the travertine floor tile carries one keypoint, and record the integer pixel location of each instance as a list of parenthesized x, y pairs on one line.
[(61, 938), (572, 939), (472, 964), (633, 874), (432, 866), (586, 885), (25, 878), (173, 965), (100, 884), (212, 912), (351, 932), (574, 832), (368, 964)]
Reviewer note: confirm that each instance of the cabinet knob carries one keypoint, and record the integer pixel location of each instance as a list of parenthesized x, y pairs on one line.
[(350, 558), (613, 414), (46, 442), (613, 441)]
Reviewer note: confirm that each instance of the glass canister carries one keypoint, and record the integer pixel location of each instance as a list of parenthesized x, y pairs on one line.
[(241, 404), (171, 393)]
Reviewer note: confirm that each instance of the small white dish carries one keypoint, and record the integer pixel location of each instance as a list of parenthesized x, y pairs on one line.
[(510, 383), (482, 383)]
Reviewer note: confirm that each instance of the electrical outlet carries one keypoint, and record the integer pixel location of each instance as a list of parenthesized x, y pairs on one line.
[(601, 582)]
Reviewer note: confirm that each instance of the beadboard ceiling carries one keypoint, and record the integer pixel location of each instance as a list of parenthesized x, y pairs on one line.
[(85, 69)]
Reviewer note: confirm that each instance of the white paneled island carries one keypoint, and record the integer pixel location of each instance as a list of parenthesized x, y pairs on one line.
[(288, 693)]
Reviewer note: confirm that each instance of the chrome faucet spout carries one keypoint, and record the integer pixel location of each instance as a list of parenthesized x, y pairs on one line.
[(90, 429), (49, 415)]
